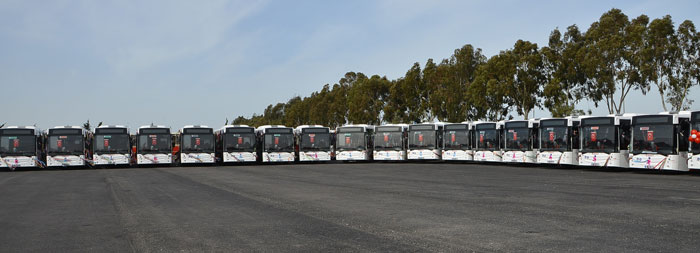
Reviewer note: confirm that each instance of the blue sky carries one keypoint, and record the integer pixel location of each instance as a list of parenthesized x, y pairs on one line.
[(199, 62)]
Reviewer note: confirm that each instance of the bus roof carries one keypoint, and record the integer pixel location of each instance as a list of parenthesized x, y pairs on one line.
[(530, 122), (83, 130), (299, 129), (616, 117), (223, 128), (263, 129), (569, 120), (364, 127), (112, 126), (154, 126), (676, 116), (403, 127), (35, 130), (194, 126), (694, 115)]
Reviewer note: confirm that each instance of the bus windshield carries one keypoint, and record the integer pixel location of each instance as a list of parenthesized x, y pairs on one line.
[(315, 141), (599, 138), (66, 144), (237, 142), (17, 145), (197, 143), (517, 139), (457, 139), (388, 140), (487, 139), (282, 142), (351, 141), (554, 138), (155, 143), (652, 139), (422, 139), (112, 143)]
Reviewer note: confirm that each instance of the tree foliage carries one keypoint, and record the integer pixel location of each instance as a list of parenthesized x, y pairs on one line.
[(603, 64)]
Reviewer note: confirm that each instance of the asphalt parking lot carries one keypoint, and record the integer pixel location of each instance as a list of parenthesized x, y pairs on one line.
[(349, 207)]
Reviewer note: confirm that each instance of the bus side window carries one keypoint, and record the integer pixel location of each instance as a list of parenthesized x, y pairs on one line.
[(625, 129), (683, 133), (575, 140), (535, 137)]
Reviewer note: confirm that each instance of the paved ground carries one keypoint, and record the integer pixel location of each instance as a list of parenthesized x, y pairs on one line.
[(349, 207)]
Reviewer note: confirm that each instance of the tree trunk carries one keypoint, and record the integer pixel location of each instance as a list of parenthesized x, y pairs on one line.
[(663, 103)]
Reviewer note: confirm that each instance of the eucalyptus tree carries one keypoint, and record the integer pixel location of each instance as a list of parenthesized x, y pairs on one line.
[(367, 100), (486, 94), (661, 52), (565, 77), (685, 70), (613, 59), (527, 69)]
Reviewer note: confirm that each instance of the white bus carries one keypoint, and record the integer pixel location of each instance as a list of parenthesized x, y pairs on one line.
[(197, 145), (236, 144), (314, 142), (276, 143), (68, 146), (605, 141), (660, 141), (559, 141), (111, 146), (486, 141), (21, 147), (518, 141), (694, 159), (354, 142), (154, 145), (456, 142), (425, 141), (390, 142)]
